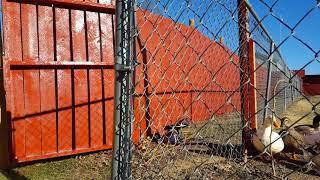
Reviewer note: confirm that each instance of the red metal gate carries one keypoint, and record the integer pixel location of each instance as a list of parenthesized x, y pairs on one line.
[(58, 75)]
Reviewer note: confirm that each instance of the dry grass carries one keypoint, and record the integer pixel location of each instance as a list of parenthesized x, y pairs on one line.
[(202, 162), (301, 108), (91, 166), (208, 153)]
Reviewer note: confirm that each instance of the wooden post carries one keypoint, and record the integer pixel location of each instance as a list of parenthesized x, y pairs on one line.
[(252, 87), (243, 26), (247, 78)]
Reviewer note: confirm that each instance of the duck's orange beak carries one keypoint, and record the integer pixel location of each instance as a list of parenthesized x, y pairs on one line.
[(276, 124)]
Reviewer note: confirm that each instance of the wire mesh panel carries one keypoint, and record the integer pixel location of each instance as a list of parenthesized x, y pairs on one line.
[(187, 89), (210, 87), (290, 151)]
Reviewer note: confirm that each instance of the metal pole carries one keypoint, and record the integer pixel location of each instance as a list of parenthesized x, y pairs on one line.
[(131, 27), (122, 118), (274, 93), (266, 104), (291, 86), (285, 98), (296, 83)]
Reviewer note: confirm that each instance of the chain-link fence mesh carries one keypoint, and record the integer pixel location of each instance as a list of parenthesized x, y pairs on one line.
[(187, 87), (207, 77), (274, 78), (280, 94)]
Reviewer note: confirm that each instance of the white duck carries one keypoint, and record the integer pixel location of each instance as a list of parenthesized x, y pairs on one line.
[(265, 137)]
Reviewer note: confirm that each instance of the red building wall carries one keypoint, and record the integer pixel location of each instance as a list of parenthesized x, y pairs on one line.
[(311, 85)]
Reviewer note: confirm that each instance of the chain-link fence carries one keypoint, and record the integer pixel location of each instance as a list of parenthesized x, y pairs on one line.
[(198, 81), (276, 86), (280, 90)]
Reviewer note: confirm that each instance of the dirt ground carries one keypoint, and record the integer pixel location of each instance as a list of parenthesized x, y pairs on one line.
[(214, 153), (208, 151), (195, 165), (98, 166)]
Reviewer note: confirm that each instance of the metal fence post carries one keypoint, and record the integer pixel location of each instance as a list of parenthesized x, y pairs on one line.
[(296, 85), (122, 117), (266, 104), (285, 98), (291, 89)]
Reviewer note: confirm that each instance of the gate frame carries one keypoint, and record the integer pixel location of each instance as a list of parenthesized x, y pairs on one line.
[(4, 124)]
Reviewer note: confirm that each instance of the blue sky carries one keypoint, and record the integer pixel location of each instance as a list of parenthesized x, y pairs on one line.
[(294, 52)]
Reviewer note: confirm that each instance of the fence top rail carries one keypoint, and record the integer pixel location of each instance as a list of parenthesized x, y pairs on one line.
[(257, 18), (72, 4)]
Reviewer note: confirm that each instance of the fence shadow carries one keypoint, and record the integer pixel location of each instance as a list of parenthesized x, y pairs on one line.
[(297, 165), (12, 174), (229, 151)]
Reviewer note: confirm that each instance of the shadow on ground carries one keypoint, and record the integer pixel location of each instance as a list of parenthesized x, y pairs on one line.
[(11, 174)]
